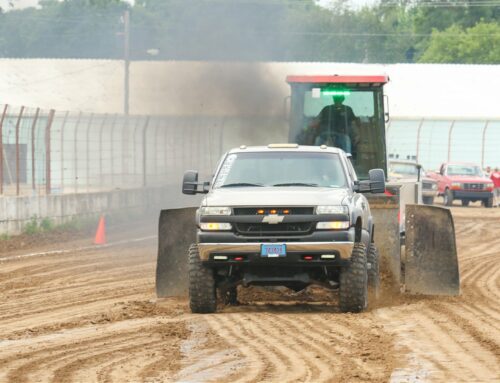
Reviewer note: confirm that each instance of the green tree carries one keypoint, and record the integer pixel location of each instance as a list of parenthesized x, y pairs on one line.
[(477, 44)]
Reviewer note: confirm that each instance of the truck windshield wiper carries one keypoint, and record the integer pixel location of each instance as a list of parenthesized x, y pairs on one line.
[(296, 184), (240, 184)]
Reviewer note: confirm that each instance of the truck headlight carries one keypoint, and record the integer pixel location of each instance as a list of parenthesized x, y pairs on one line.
[(434, 186), (215, 210), (215, 226), (456, 185), (333, 225), (490, 185), (332, 209)]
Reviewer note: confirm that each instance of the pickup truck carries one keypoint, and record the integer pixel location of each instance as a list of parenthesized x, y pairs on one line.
[(284, 215), (465, 182), (400, 170)]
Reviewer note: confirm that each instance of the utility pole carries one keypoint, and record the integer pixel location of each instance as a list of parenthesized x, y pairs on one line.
[(126, 58)]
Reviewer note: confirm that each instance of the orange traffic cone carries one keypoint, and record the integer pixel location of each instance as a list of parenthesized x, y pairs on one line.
[(100, 234)]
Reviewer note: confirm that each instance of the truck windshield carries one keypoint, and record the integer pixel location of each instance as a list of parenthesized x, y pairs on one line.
[(281, 169), (350, 118), (464, 170)]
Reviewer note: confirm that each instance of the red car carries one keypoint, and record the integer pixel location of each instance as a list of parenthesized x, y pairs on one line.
[(465, 182)]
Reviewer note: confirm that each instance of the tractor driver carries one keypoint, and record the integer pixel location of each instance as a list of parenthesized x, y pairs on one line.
[(335, 125)]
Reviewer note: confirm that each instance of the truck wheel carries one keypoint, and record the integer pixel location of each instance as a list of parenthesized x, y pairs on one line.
[(465, 202), (353, 290), (488, 202), (428, 200), (372, 260), (448, 197), (202, 293)]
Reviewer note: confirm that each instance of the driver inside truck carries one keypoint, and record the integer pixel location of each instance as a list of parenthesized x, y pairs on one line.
[(337, 125)]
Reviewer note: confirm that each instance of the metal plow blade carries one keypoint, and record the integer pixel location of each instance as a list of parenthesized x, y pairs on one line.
[(176, 232), (431, 265)]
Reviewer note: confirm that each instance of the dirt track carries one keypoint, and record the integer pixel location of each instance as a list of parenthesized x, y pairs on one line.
[(91, 316)]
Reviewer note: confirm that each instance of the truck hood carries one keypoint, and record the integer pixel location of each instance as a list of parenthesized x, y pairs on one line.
[(275, 196)]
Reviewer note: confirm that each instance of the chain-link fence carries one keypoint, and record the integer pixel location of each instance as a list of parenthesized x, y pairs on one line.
[(49, 152), (432, 141)]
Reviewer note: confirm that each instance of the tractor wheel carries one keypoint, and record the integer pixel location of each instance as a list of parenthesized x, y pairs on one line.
[(465, 202), (372, 260), (353, 290), (448, 197), (202, 293)]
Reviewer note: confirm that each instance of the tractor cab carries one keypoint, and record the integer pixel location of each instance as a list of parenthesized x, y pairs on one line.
[(341, 111)]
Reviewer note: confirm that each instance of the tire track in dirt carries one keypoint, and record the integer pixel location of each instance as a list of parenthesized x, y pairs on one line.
[(90, 316), (77, 312), (285, 346), (206, 356), (457, 339), (255, 366)]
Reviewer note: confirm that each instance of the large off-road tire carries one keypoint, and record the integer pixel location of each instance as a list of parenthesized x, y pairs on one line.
[(448, 197), (372, 259), (202, 292), (353, 290), (428, 200)]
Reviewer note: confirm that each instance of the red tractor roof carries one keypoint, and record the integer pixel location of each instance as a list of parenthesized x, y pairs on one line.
[(336, 79)]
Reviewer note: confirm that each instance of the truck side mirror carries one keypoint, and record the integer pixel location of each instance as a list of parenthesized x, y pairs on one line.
[(377, 180), (190, 182)]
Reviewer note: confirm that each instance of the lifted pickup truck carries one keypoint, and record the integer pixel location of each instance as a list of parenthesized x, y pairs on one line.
[(465, 182), (284, 215)]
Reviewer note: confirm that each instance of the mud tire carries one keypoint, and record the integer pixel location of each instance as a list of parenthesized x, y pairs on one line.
[(448, 197), (372, 259), (353, 290), (202, 292)]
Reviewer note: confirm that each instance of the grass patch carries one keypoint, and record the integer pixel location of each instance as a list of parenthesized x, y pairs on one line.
[(31, 227), (46, 225)]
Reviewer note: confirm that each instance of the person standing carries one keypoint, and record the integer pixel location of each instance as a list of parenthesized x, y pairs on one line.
[(495, 177), (487, 172)]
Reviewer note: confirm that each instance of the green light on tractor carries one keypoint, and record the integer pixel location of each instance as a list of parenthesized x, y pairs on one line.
[(335, 92)]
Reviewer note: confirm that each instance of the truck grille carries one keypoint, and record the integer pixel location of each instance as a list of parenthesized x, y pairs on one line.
[(265, 229), (292, 210), (427, 185), (470, 186)]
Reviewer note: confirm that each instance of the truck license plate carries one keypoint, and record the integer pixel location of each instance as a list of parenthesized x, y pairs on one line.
[(273, 250)]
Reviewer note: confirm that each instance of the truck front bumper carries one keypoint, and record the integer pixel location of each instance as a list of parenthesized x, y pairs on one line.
[(429, 193), (342, 250), (475, 195)]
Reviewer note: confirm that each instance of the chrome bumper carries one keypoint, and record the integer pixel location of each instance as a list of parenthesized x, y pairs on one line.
[(344, 249), (429, 193)]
